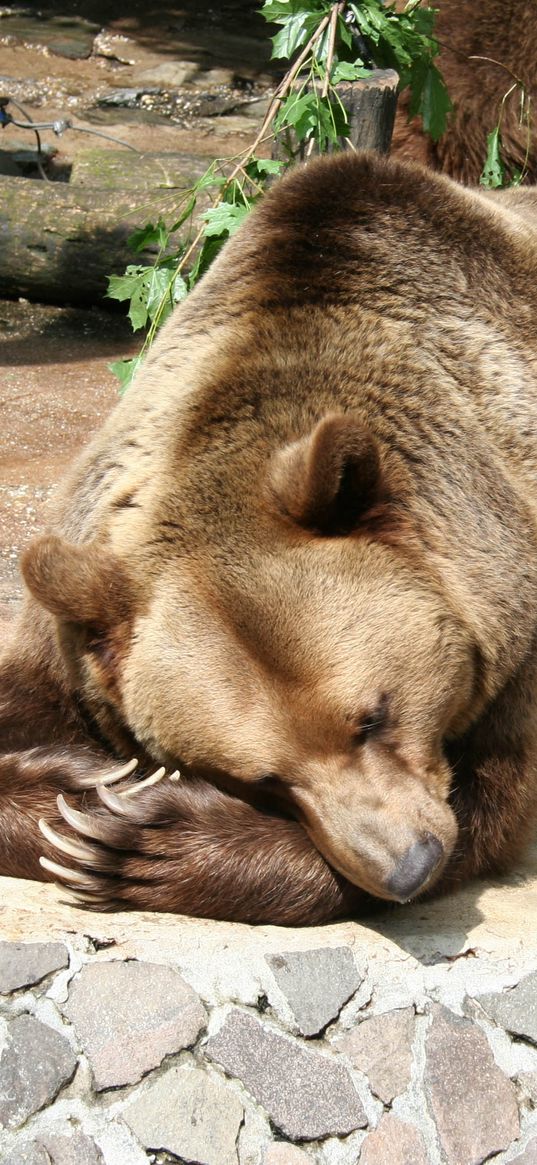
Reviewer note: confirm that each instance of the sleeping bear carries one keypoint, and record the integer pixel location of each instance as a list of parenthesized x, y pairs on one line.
[(296, 574)]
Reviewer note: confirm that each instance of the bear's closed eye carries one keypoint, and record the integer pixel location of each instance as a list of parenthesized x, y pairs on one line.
[(373, 722)]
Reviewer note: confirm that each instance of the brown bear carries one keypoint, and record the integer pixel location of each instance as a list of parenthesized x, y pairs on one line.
[(299, 565), (484, 50)]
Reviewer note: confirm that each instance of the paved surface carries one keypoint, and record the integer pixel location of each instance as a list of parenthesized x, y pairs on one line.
[(135, 1038)]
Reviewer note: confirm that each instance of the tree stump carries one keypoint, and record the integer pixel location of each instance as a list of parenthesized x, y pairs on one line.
[(370, 104)]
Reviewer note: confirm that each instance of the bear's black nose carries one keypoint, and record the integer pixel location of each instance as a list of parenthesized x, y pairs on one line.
[(416, 867)]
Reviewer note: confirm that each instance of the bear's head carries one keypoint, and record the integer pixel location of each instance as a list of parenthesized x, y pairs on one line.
[(314, 660)]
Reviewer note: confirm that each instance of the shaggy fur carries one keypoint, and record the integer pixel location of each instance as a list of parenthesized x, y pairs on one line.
[(504, 32), (299, 562)]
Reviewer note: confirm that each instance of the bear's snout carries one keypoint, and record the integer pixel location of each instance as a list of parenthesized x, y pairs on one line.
[(416, 867)]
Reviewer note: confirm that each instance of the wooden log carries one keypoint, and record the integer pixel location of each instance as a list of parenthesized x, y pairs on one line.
[(105, 169), (60, 242)]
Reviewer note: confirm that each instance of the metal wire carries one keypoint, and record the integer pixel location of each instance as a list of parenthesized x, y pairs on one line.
[(58, 127), (29, 125)]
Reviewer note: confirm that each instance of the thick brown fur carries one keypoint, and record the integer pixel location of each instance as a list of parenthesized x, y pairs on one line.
[(504, 32), (299, 562)]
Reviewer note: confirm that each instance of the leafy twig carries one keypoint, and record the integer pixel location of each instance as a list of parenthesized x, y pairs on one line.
[(327, 43)]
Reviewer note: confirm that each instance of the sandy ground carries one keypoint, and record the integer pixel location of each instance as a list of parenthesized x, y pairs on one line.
[(55, 389)]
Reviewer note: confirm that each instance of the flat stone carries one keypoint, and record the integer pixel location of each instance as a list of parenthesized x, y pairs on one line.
[(306, 1094), (129, 1016), (282, 1154), (315, 984), (528, 1156), (30, 1153), (188, 1113), (75, 1149), (171, 73), (472, 1102), (528, 1081), (516, 1009), (381, 1047), (36, 1062), (395, 1142), (23, 964)]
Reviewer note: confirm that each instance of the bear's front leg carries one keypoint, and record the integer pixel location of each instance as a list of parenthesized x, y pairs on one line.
[(30, 781), (184, 846)]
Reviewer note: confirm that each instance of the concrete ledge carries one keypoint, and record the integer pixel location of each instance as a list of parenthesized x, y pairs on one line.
[(131, 1038)]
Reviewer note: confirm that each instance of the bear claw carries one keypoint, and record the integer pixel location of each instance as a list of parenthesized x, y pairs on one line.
[(64, 874), (109, 777), (72, 848)]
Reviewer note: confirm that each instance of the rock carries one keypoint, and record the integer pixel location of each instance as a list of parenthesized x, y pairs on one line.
[(528, 1082), (395, 1142), (129, 1016), (516, 1009), (306, 1094), (210, 78), (50, 1149), (188, 1113), (23, 964), (75, 1149), (472, 1102), (282, 1154), (36, 1062), (172, 74), (528, 1156), (30, 1153), (381, 1047), (316, 984)]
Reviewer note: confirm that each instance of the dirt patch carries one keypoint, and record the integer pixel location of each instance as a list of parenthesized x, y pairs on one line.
[(56, 388)]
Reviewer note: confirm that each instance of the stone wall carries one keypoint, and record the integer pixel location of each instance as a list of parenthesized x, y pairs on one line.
[(138, 1038)]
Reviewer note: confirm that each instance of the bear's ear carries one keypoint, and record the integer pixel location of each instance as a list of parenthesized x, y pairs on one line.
[(329, 480), (82, 584)]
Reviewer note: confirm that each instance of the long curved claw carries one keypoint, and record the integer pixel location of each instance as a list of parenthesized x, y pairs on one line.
[(88, 900), (108, 778), (117, 804), (73, 848), (83, 823), (132, 790), (63, 874)]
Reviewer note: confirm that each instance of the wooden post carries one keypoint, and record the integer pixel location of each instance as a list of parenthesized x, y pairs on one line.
[(370, 105)]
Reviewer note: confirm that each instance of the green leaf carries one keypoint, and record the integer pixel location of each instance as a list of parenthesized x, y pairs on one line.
[(188, 210), (258, 168), (121, 287), (158, 285), (179, 289), (225, 218), (493, 171), (125, 371), (300, 112), (435, 103), (332, 123), (279, 11), (205, 257), (346, 71), (209, 180), (290, 38), (344, 33), (144, 237)]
